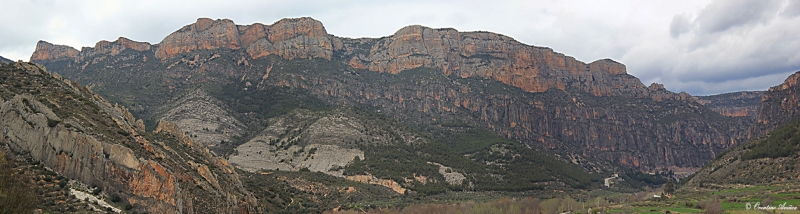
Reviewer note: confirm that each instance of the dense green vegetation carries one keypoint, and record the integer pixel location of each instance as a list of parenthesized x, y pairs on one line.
[(782, 142), (473, 140), (268, 102), (639, 180), (518, 167)]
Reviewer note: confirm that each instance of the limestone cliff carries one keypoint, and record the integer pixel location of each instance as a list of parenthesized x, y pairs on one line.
[(493, 56), (288, 38), (113, 48), (461, 54), (46, 52)]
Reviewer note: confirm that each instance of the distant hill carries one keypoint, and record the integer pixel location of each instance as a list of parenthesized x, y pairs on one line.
[(734, 104), (4, 60)]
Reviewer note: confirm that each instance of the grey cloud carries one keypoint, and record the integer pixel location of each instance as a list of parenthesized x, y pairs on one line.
[(723, 15), (791, 10), (729, 46), (679, 25)]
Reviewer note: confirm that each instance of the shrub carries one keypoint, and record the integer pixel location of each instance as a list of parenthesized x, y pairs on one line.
[(62, 183), (52, 123), (97, 190), (115, 198)]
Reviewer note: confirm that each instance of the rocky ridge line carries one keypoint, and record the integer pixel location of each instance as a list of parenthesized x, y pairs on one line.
[(462, 54)]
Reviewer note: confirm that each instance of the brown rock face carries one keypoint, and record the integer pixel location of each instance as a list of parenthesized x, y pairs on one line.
[(288, 38), (50, 52)]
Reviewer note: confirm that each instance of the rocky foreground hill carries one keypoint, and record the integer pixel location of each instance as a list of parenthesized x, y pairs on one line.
[(65, 127)]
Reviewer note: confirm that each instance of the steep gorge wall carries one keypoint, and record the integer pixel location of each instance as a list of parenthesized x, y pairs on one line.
[(629, 133), (779, 105)]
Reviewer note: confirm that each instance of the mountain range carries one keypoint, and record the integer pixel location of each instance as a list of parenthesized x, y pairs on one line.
[(240, 112), (429, 77)]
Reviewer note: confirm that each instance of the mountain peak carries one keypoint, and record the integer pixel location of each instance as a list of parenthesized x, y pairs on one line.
[(607, 65), (46, 51), (258, 39), (790, 81)]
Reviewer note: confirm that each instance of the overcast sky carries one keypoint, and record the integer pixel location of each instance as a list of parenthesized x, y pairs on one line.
[(701, 47)]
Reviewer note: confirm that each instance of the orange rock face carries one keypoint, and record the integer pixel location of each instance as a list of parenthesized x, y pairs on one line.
[(46, 52), (153, 181), (205, 34), (288, 38), (494, 56), (607, 66), (130, 44)]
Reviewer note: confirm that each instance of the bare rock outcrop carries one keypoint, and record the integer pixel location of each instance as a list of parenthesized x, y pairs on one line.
[(288, 38), (202, 117), (493, 56), (115, 47), (318, 146), (205, 34), (46, 51)]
